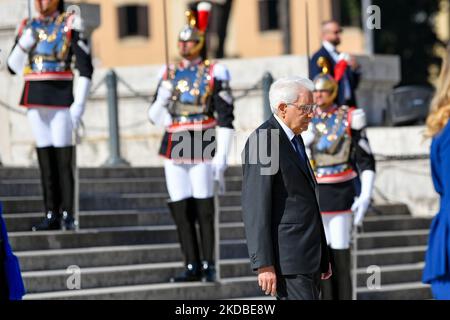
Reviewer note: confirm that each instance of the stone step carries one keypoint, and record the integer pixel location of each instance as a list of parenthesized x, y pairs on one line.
[(128, 275), (391, 256), (13, 173), (231, 288), (142, 254), (120, 218), (402, 291), (394, 274), (19, 205), (395, 222), (41, 260), (21, 241), (32, 187), (105, 202), (85, 238), (372, 240), (227, 289)]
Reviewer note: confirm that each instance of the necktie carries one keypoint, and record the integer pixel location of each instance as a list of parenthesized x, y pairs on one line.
[(300, 149)]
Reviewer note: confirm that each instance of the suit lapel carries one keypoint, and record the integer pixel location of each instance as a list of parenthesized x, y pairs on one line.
[(286, 148)]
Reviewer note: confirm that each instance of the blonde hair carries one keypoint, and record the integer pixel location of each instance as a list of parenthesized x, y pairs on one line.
[(440, 105)]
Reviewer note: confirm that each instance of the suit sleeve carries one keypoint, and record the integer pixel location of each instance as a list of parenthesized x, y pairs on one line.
[(256, 208), (83, 59), (314, 69), (356, 78)]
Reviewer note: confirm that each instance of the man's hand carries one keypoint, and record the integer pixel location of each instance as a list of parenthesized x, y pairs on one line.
[(267, 280), (328, 274), (353, 63), (350, 59)]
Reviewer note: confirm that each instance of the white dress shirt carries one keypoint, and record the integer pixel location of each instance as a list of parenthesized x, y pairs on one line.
[(290, 134)]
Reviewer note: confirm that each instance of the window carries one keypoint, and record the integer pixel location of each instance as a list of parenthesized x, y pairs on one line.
[(133, 21), (347, 12), (268, 15)]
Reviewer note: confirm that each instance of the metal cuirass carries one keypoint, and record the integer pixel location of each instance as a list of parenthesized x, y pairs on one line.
[(50, 54), (192, 91), (332, 143)]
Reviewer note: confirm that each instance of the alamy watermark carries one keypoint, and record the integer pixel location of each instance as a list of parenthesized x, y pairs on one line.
[(373, 282), (373, 17), (73, 282)]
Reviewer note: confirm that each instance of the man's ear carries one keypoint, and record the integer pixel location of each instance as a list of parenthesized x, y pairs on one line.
[(282, 108)]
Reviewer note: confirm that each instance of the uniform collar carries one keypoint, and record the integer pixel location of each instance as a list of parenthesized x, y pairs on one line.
[(48, 18), (185, 63)]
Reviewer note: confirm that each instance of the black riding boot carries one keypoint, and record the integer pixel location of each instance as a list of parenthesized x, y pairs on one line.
[(50, 189), (64, 158), (205, 214), (342, 274), (184, 218)]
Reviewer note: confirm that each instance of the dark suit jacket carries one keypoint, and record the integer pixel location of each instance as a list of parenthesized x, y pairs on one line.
[(281, 214), (352, 76)]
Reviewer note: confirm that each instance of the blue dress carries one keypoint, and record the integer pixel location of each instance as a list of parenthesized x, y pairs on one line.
[(437, 260), (11, 265)]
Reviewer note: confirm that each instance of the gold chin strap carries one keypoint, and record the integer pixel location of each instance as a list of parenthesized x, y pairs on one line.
[(198, 47)]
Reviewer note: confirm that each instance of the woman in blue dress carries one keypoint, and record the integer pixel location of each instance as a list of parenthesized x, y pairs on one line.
[(11, 284), (437, 261)]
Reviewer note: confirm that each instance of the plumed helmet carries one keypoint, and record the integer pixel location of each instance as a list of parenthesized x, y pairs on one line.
[(195, 28), (324, 81)]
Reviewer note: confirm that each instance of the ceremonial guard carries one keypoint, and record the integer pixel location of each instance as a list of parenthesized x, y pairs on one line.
[(340, 152), (195, 105), (45, 50)]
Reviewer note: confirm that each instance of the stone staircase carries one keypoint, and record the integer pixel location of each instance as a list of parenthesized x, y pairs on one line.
[(127, 245)]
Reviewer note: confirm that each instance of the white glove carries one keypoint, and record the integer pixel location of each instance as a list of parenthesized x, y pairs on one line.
[(18, 57), (158, 113), (219, 163), (78, 106), (27, 40), (362, 202), (344, 56)]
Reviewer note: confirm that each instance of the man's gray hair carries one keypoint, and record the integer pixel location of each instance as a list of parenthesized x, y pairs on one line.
[(286, 90)]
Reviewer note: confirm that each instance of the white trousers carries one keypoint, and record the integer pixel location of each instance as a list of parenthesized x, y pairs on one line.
[(51, 127), (338, 229), (189, 180)]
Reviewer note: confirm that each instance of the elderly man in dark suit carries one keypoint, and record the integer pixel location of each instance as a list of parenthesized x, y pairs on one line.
[(349, 75), (285, 236)]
